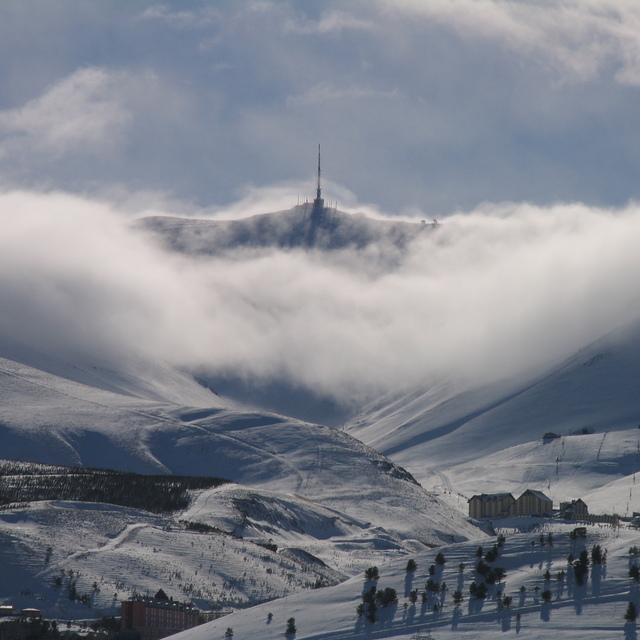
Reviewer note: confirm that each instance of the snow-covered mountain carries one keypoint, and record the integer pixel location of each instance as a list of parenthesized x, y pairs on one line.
[(311, 505), (331, 504), (490, 439), (298, 227)]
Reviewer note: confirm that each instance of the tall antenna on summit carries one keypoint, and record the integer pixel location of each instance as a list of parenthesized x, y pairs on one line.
[(318, 190)]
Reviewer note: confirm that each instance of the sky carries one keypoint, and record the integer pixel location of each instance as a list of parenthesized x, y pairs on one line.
[(423, 107), (513, 123)]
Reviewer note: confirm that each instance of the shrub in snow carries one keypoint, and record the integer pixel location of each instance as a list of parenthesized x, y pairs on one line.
[(387, 596), (291, 626), (372, 573), (631, 614)]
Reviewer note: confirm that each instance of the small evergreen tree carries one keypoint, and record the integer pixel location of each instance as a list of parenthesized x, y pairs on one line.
[(413, 596), (372, 573), (371, 612), (411, 565), (483, 568), (546, 595), (479, 552), (228, 633), (597, 556), (494, 552), (457, 597), (631, 614), (634, 573), (291, 626), (440, 559), (387, 596), (432, 586), (481, 591)]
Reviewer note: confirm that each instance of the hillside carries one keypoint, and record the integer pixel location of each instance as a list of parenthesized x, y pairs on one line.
[(328, 503), (590, 400), (592, 611), (298, 227)]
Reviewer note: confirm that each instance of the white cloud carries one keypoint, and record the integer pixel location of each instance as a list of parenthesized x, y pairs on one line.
[(490, 293), (578, 39), (83, 113)]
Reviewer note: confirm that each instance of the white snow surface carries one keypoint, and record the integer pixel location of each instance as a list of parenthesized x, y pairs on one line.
[(593, 611), (331, 504), (490, 439)]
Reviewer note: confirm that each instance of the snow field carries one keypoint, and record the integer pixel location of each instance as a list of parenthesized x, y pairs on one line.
[(595, 610)]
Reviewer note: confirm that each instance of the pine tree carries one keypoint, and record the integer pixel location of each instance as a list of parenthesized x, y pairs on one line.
[(631, 614), (291, 626), (372, 573)]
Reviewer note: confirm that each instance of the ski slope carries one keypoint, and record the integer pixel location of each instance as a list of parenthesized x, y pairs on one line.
[(594, 610), (490, 439)]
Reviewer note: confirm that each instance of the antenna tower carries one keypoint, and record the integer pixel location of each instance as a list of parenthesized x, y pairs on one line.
[(318, 190)]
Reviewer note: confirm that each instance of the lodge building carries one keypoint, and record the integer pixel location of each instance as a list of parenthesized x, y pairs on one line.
[(157, 617)]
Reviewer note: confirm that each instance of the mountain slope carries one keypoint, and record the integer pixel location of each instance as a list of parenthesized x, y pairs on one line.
[(312, 490), (592, 611), (452, 435), (298, 227)]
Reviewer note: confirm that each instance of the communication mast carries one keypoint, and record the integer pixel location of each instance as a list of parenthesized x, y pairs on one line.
[(318, 203)]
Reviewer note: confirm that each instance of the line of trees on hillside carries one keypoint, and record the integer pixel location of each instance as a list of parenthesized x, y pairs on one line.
[(23, 482)]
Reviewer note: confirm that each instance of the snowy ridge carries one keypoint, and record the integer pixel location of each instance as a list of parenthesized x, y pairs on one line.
[(590, 400), (329, 503), (293, 228)]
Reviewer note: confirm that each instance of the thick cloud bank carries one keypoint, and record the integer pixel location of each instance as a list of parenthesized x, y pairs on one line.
[(487, 294)]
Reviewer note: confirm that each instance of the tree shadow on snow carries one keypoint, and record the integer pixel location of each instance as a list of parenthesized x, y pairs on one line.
[(408, 583), (545, 612), (630, 632), (505, 620)]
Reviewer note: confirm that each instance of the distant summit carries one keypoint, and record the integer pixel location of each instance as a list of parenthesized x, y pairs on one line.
[(307, 225)]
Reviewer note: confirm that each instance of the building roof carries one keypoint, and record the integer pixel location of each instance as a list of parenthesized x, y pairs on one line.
[(492, 497), (537, 494)]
